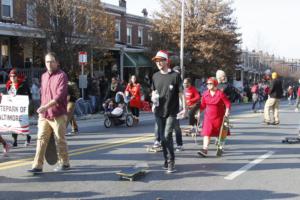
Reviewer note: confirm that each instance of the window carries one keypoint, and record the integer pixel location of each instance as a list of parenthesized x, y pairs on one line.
[(7, 8), (129, 34), (31, 14), (118, 31), (149, 37), (140, 36)]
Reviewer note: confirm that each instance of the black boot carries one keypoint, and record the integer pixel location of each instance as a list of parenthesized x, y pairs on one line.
[(15, 137)]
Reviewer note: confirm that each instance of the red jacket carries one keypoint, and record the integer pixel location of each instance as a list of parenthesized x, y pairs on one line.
[(192, 96), (214, 112), (135, 93), (298, 92)]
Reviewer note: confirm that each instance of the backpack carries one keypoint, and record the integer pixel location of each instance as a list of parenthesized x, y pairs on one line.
[(254, 89)]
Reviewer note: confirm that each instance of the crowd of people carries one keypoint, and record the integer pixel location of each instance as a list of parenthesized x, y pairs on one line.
[(54, 100)]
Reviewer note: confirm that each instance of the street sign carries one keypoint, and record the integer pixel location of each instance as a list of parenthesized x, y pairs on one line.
[(82, 81), (82, 57)]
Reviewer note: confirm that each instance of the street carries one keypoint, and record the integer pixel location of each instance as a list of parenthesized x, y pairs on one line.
[(255, 165)]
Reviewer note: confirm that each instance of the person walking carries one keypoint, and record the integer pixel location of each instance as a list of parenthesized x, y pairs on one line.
[(133, 90), (216, 106), (73, 95), (52, 115), (298, 98), (166, 87), (255, 98), (35, 94), (6, 146), (17, 85), (192, 99), (272, 103)]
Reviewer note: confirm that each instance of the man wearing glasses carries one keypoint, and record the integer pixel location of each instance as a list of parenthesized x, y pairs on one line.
[(166, 87)]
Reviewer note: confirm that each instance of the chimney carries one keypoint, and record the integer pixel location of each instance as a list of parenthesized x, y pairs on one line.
[(122, 3), (145, 12)]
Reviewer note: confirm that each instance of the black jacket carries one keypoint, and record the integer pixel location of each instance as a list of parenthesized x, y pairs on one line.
[(276, 90)]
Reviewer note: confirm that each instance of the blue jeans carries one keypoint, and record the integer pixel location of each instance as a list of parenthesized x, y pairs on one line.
[(165, 126), (177, 130), (94, 102)]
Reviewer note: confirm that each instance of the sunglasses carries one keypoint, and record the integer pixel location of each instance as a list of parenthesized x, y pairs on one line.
[(12, 76), (209, 83)]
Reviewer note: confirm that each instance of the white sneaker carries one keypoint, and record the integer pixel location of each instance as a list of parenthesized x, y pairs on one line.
[(179, 148), (296, 110), (26, 144), (156, 144)]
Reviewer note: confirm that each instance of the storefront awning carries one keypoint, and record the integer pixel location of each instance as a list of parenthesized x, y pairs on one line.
[(136, 60), (18, 30)]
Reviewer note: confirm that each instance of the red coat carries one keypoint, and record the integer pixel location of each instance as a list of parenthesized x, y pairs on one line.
[(214, 112), (135, 93)]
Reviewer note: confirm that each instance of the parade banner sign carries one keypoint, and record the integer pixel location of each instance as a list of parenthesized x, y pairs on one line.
[(14, 114)]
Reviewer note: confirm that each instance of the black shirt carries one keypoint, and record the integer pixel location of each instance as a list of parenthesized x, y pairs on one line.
[(276, 90), (168, 87)]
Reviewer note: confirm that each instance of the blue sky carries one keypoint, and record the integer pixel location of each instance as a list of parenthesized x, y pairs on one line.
[(268, 25)]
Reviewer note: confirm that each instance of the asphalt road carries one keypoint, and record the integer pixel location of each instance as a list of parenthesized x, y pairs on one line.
[(255, 165)]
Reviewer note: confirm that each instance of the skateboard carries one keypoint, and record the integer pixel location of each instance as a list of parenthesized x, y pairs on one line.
[(51, 152), (131, 173), (150, 148), (222, 136), (291, 140)]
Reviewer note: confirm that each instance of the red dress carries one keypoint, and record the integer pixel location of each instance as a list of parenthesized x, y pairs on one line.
[(135, 93), (214, 112)]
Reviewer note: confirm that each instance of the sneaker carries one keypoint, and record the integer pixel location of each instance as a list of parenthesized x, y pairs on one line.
[(6, 149), (165, 166), (296, 110), (275, 123), (171, 167), (266, 123), (26, 144), (62, 168), (156, 144), (179, 148), (202, 152), (35, 170)]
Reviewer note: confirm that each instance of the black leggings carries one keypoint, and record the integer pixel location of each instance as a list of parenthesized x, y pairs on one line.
[(135, 111), (191, 114)]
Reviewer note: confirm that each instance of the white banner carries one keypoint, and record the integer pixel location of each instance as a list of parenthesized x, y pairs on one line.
[(14, 114)]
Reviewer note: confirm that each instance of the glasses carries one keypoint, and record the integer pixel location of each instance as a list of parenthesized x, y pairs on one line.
[(209, 83), (13, 76), (161, 60)]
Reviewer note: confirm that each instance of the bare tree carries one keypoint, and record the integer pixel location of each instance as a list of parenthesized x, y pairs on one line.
[(211, 37), (74, 25)]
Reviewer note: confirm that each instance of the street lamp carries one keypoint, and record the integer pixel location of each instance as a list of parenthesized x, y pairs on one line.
[(182, 39)]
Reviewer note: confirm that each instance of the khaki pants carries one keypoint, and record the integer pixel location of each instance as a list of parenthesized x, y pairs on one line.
[(271, 104), (45, 129), (71, 118)]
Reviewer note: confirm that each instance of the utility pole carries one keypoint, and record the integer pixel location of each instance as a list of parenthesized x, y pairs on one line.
[(182, 40)]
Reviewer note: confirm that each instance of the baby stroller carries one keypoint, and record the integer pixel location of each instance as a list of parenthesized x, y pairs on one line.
[(119, 115)]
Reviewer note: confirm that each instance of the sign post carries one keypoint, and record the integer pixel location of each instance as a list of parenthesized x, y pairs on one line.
[(82, 78)]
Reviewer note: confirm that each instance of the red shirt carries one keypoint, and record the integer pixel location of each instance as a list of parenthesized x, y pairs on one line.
[(192, 96), (298, 92), (54, 87)]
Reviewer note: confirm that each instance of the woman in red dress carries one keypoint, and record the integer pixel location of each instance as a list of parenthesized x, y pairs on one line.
[(216, 106), (134, 90)]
